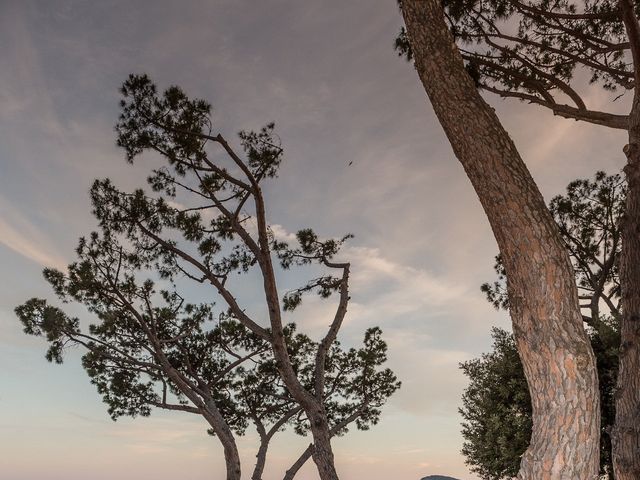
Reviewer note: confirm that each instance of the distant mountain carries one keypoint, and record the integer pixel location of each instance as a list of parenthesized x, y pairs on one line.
[(438, 477)]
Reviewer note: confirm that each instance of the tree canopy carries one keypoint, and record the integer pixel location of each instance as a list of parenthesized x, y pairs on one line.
[(535, 50), (201, 229)]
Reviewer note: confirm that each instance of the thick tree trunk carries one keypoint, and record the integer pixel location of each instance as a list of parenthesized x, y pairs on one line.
[(554, 348), (625, 437)]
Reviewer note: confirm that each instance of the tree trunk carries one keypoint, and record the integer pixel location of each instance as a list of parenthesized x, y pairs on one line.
[(556, 354), (232, 461), (322, 453), (261, 459), (312, 406), (626, 432), (212, 415), (625, 437), (225, 435), (333, 431)]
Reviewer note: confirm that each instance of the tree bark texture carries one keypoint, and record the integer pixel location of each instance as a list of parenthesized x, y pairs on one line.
[(626, 432), (556, 354)]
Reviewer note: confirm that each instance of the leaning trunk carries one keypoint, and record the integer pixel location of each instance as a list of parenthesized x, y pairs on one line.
[(556, 354), (313, 407), (212, 415), (302, 459), (626, 432), (225, 435), (232, 461), (261, 458)]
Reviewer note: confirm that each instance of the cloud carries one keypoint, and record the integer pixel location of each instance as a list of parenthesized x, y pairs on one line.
[(406, 288), (389, 293), (23, 237), (424, 317)]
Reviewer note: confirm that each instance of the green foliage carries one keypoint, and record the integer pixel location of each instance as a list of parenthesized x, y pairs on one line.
[(496, 292), (402, 45), (589, 218), (311, 249), (144, 337), (356, 385), (496, 410), (40, 319), (365, 386)]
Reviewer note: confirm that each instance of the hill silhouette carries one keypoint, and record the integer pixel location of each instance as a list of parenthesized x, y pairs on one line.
[(438, 477)]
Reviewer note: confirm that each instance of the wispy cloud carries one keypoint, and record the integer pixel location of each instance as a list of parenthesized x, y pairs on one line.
[(384, 292), (412, 306), (21, 236)]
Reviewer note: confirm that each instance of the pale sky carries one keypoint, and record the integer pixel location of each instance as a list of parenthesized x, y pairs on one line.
[(326, 73)]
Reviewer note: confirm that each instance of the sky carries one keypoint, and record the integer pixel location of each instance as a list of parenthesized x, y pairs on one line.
[(363, 154)]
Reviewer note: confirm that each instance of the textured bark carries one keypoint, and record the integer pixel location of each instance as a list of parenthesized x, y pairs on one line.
[(625, 437), (626, 432), (558, 360)]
